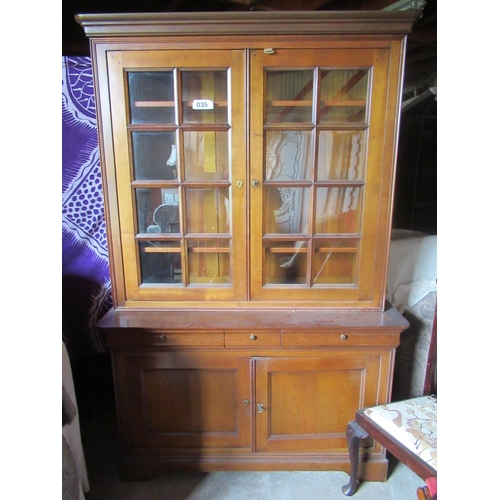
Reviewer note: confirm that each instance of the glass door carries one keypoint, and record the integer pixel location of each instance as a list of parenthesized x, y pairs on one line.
[(179, 151), (318, 177)]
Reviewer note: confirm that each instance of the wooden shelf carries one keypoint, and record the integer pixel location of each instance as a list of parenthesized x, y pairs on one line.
[(304, 250), (209, 249), (193, 250), (287, 250), (336, 250), (162, 250), (334, 103), (154, 104)]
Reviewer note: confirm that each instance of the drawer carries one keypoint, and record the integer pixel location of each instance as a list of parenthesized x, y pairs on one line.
[(165, 339), (340, 338), (252, 339)]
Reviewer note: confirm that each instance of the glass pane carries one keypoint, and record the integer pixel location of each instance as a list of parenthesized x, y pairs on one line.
[(338, 210), (288, 155), (206, 155), (151, 96), (343, 96), (204, 96), (208, 261), (208, 210), (155, 155), (160, 261), (289, 96), (341, 155), (286, 210), (285, 262), (157, 210), (334, 262)]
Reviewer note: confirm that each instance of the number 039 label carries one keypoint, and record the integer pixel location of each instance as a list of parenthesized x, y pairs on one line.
[(201, 104)]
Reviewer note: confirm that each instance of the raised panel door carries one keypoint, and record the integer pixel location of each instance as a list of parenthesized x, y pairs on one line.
[(183, 400), (307, 402)]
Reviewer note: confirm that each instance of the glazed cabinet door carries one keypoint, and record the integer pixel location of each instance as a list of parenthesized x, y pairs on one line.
[(305, 403), (177, 120), (183, 401), (322, 125)]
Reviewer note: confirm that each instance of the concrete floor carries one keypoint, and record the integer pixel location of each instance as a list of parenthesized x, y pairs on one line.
[(100, 442), (101, 453)]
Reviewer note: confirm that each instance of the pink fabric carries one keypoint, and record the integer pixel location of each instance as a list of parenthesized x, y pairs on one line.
[(432, 484)]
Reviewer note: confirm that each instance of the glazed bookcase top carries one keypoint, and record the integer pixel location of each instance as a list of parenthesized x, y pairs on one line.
[(279, 194)]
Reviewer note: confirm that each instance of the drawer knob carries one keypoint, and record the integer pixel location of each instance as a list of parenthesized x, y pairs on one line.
[(253, 336), (343, 337), (163, 337), (260, 408)]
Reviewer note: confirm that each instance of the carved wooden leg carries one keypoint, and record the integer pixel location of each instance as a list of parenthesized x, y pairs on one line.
[(354, 435), (423, 493)]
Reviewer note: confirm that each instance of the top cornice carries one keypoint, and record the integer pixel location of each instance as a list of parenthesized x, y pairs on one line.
[(249, 23)]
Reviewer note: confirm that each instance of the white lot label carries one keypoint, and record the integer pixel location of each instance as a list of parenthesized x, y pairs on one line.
[(203, 104)]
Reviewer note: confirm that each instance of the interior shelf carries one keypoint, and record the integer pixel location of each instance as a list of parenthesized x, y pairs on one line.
[(332, 103)]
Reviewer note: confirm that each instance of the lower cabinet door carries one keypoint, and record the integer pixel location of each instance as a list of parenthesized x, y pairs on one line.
[(303, 404), (183, 400)]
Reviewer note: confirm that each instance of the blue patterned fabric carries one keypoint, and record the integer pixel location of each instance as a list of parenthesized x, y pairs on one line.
[(86, 287)]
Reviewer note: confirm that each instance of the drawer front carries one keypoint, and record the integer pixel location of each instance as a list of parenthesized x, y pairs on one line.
[(340, 338), (166, 339), (252, 339)]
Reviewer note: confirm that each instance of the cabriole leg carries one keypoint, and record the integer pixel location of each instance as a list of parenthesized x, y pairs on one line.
[(354, 435)]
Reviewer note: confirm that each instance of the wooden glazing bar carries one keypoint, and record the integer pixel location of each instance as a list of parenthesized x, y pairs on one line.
[(169, 104)]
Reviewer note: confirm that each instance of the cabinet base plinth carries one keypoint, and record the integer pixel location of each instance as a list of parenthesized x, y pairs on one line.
[(142, 469)]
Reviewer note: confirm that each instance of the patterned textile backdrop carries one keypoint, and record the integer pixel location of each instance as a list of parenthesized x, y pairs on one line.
[(86, 287)]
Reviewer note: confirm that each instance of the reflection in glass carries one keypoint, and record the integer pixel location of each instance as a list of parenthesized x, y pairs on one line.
[(286, 210), (341, 155), (343, 96), (334, 262), (151, 96), (208, 261), (289, 96), (206, 155), (285, 262), (204, 96), (338, 210), (288, 155), (208, 210), (155, 155), (160, 261), (157, 210)]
